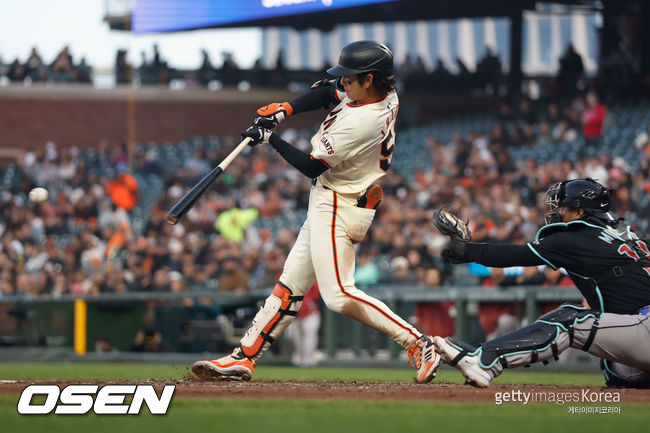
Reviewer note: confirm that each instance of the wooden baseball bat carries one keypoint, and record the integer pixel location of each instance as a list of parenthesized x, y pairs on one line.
[(186, 202)]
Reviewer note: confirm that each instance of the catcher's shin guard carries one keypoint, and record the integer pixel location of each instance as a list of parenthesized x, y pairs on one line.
[(279, 310), (549, 336)]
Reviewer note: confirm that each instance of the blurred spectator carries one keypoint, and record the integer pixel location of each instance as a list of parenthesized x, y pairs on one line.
[(544, 137), (149, 339), (526, 113), (272, 267), (441, 78), (366, 272), (124, 191), (304, 330), (123, 71), (62, 68), (435, 318), (16, 71), (229, 71), (642, 141), (232, 223), (592, 120), (490, 73), (232, 277), (84, 71), (103, 345), (34, 67), (571, 71), (206, 72), (402, 274), (498, 318)]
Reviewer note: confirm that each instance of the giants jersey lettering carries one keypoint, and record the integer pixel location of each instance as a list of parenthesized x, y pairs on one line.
[(356, 142)]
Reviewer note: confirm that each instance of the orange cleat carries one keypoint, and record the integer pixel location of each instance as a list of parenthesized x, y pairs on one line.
[(424, 357), (235, 366)]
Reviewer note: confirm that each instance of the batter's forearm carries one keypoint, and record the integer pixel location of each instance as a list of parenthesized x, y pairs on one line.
[(501, 255), (303, 162), (320, 97)]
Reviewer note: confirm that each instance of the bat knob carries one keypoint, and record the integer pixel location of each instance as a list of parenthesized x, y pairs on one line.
[(171, 219)]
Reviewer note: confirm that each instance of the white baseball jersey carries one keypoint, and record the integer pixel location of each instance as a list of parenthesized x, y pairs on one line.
[(356, 143)]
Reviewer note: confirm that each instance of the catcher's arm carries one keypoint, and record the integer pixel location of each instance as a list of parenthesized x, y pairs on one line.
[(461, 250), (451, 225)]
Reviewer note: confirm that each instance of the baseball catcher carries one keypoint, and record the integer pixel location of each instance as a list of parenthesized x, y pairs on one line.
[(610, 266)]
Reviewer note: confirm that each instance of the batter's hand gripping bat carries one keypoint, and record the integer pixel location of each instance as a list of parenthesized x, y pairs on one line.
[(186, 202)]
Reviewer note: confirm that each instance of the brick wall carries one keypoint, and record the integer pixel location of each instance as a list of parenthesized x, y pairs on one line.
[(28, 123)]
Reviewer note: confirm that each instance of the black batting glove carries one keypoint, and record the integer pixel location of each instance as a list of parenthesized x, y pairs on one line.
[(258, 134), (455, 252)]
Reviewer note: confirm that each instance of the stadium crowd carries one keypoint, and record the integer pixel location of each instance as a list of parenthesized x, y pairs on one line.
[(85, 240), (34, 69)]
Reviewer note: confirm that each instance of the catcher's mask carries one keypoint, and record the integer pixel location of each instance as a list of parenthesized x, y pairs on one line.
[(586, 194)]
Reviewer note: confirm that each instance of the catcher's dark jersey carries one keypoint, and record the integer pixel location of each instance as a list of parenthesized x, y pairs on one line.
[(595, 257)]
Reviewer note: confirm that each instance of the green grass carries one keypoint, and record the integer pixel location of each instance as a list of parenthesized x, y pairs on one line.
[(258, 415), (199, 415), (123, 371)]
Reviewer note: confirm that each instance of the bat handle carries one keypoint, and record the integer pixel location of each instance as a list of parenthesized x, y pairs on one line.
[(226, 162)]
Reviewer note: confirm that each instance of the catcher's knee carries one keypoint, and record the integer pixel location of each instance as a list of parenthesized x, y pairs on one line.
[(618, 375), (278, 311), (567, 317), (550, 335)]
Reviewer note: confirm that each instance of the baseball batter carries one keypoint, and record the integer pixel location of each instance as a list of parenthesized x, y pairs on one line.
[(609, 265), (352, 149)]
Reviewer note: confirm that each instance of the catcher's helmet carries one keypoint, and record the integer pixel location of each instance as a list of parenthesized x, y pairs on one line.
[(364, 56), (585, 194)]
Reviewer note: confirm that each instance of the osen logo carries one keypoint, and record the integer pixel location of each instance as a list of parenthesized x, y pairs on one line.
[(80, 399)]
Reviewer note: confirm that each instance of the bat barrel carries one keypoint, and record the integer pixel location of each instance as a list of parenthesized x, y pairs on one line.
[(187, 201)]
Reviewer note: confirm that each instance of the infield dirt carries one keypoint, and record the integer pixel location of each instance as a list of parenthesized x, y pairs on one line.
[(342, 390)]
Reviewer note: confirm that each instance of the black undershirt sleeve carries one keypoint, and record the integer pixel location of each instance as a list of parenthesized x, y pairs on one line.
[(501, 255), (303, 162), (320, 97)]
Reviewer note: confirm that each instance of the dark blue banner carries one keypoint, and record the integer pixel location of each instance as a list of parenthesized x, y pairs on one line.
[(168, 15)]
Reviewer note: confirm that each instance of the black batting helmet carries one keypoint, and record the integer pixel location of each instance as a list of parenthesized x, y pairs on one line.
[(364, 56), (585, 194)]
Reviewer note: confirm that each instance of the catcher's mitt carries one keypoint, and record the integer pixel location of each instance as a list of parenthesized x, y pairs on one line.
[(449, 224)]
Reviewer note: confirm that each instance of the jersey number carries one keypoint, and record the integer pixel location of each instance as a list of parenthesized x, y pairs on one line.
[(387, 147), (388, 143), (631, 253)]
